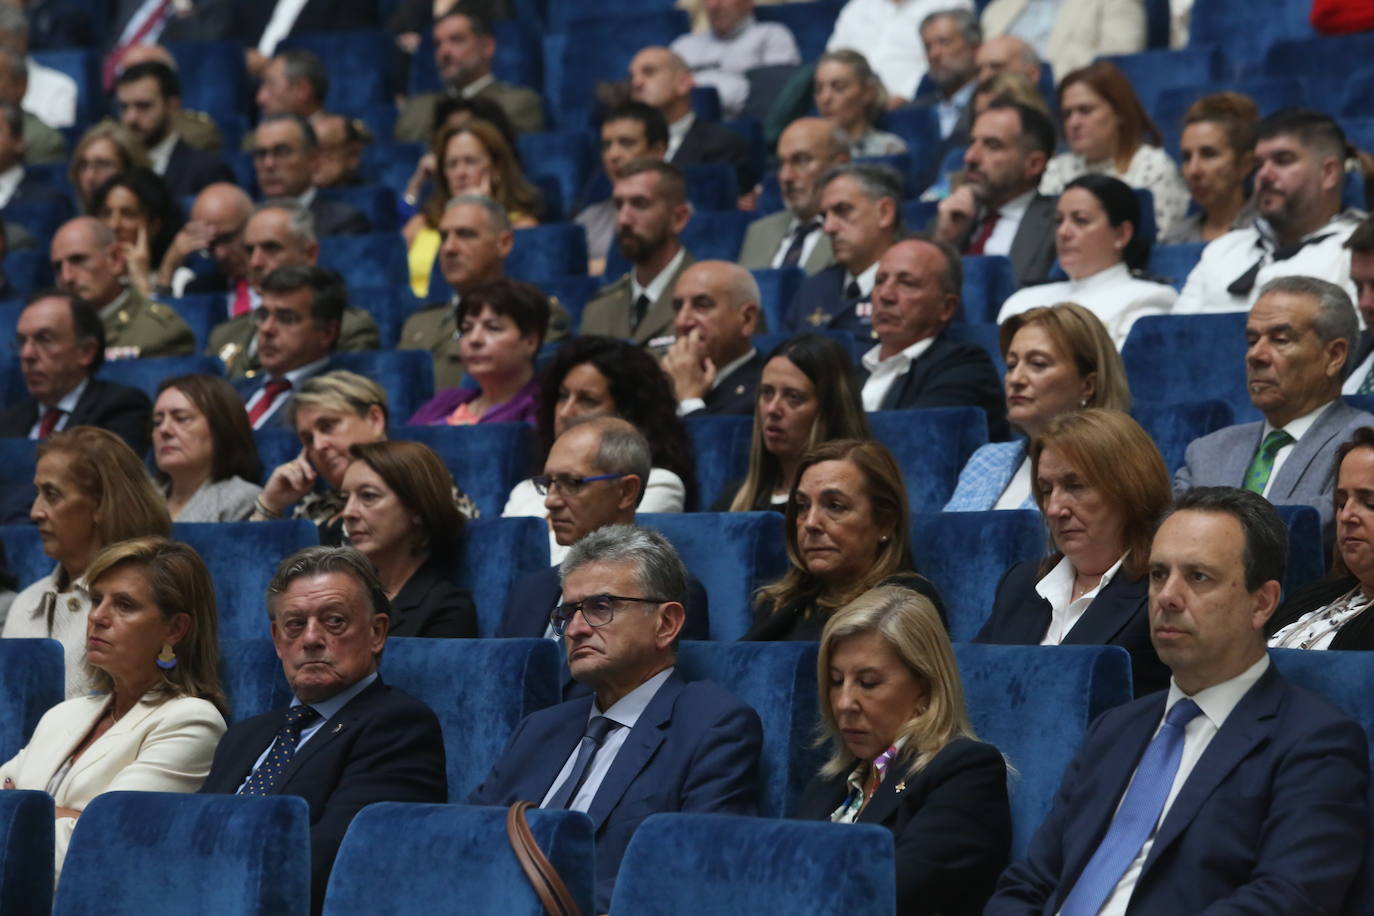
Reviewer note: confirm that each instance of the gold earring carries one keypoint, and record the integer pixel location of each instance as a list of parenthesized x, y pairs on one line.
[(166, 659)]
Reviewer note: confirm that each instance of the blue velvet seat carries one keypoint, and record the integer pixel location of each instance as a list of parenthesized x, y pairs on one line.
[(1151, 72), (766, 343), (1175, 358), (776, 289), (988, 282), (516, 61), (1270, 92), (561, 14), (494, 554), (712, 186), (778, 679), (390, 163), (1034, 704), (920, 128), (26, 872), (1325, 64), (1173, 426), (1306, 555), (213, 78), (276, 446), (486, 460), (83, 66), (17, 460), (377, 202), (1175, 262), (984, 334), (31, 672), (423, 842), (721, 863), (931, 446), (573, 292), (202, 312), (28, 271), (732, 553), (389, 306), (966, 553), (706, 103), (216, 854), (376, 259), (1231, 24), (359, 64), (720, 445), (586, 52), (241, 557), (569, 157), (252, 675), (407, 376), (548, 251), (811, 24), (146, 373), (1343, 678), (41, 218), (24, 550)]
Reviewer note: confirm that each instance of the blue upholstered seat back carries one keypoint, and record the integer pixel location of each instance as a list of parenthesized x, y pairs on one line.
[(1174, 358), (495, 553), (486, 460), (23, 547), (720, 863), (931, 446), (31, 683), (26, 856), (207, 854), (1174, 426), (456, 854)]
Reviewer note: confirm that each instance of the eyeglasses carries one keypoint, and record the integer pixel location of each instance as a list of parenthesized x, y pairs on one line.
[(567, 484), (284, 317), (597, 610)]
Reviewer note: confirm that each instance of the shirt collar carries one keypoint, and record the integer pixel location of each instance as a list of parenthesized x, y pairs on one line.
[(301, 373), (477, 85), (1117, 273), (1219, 701), (328, 708), (865, 279), (115, 305), (678, 129), (659, 282), (306, 199), (962, 95), (1058, 582), (1299, 427), (904, 358), (1016, 207), (731, 366), (68, 402), (627, 710), (162, 153)]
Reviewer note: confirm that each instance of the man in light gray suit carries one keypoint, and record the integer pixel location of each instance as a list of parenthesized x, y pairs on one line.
[(793, 237), (1301, 331)]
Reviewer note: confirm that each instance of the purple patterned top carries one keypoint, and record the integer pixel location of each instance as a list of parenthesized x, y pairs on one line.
[(517, 409)]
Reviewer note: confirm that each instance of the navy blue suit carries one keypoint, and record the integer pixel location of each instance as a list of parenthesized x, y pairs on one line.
[(247, 387), (695, 748), (820, 302), (1271, 820), (531, 600)]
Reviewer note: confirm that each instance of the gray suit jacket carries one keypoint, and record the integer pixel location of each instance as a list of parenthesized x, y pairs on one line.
[(763, 237), (609, 314), (1032, 248), (1220, 459)]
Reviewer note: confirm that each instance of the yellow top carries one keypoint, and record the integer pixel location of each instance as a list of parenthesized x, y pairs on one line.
[(423, 250)]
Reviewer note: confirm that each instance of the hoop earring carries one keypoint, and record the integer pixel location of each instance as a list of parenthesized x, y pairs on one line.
[(166, 659)]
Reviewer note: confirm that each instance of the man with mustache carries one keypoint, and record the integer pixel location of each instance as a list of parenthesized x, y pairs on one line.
[(651, 207), (1301, 330), (998, 209), (1301, 230)]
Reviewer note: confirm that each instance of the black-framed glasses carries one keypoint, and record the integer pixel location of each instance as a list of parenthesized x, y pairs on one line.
[(567, 484), (597, 610)]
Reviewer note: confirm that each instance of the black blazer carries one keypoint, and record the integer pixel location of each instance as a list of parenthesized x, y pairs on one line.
[(950, 374), (532, 598), (384, 745), (252, 16), (213, 282), (1118, 616), (334, 217), (1358, 632), (189, 170), (429, 605), (33, 190), (727, 496), (793, 624), (122, 410), (951, 823), (736, 392), (707, 142)]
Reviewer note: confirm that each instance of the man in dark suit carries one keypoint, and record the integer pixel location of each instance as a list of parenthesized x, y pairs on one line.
[(298, 327), (60, 342), (650, 200), (216, 226), (712, 362), (253, 18), (860, 207), (346, 740), (997, 210), (915, 296), (286, 156), (646, 740), (612, 459), (1233, 790), (17, 184), (149, 96), (658, 77)]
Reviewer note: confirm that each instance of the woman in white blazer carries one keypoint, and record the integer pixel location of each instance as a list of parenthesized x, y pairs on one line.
[(158, 711)]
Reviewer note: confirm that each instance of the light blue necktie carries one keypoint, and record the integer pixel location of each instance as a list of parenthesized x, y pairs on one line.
[(1136, 818)]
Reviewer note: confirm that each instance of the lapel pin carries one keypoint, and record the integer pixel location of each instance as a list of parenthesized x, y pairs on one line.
[(338, 727), (901, 786), (739, 389)]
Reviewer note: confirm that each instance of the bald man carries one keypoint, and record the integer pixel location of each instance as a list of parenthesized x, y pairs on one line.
[(792, 237), (89, 263), (1007, 54), (216, 228), (661, 79), (712, 362)]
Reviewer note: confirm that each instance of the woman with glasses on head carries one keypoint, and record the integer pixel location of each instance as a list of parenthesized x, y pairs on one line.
[(103, 152)]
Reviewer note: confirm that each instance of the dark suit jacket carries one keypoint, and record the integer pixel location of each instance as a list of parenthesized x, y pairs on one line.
[(1032, 248), (951, 823), (736, 392), (820, 303), (189, 170), (794, 624), (695, 748), (1356, 634), (1271, 820), (950, 374), (532, 598), (707, 142), (429, 605), (252, 17), (122, 410), (214, 282), (212, 21), (247, 387), (384, 745), (334, 217), (1118, 616), (33, 190)]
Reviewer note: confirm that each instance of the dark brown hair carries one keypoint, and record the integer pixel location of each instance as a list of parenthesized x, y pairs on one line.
[(235, 452)]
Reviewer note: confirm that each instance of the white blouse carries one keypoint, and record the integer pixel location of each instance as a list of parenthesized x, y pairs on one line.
[(1150, 169), (1113, 295)]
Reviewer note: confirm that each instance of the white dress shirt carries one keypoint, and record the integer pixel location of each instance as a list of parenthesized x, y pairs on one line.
[(67, 404), (477, 85), (51, 95), (676, 132), (687, 405), (659, 283), (9, 182), (883, 372), (284, 16), (327, 710), (950, 110), (1018, 488), (626, 712), (809, 244), (1217, 703), (887, 32), (1008, 223), (161, 155), (1113, 295), (1297, 429), (723, 60), (1057, 588)]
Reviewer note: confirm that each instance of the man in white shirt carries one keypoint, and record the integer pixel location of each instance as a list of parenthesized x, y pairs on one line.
[(732, 44), (1302, 230), (951, 39), (713, 364), (1232, 790), (51, 94), (887, 33), (1301, 331)]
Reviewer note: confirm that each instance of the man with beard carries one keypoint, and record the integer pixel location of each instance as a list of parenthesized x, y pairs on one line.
[(792, 237), (951, 38), (997, 210), (651, 209), (630, 131), (1301, 230), (149, 96)]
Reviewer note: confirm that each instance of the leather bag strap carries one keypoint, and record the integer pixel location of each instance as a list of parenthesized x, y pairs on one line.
[(544, 878)]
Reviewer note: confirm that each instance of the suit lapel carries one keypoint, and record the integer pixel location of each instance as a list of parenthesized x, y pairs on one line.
[(914, 377), (85, 405), (1030, 235), (339, 724), (637, 751), (49, 755), (660, 313), (1235, 460), (1109, 613), (885, 800), (1305, 452), (101, 748), (555, 750)]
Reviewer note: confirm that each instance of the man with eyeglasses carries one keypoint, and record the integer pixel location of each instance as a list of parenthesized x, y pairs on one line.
[(594, 476), (286, 156), (60, 344), (646, 740), (298, 327)]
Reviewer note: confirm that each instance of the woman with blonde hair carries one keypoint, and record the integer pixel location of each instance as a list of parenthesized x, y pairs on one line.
[(1059, 358), (104, 151), (904, 756), (851, 96)]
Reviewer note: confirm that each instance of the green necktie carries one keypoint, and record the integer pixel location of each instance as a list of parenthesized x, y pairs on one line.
[(1263, 463), (1367, 386)]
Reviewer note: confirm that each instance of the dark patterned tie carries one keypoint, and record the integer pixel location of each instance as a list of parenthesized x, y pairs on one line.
[(266, 777), (794, 251), (1242, 285)]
